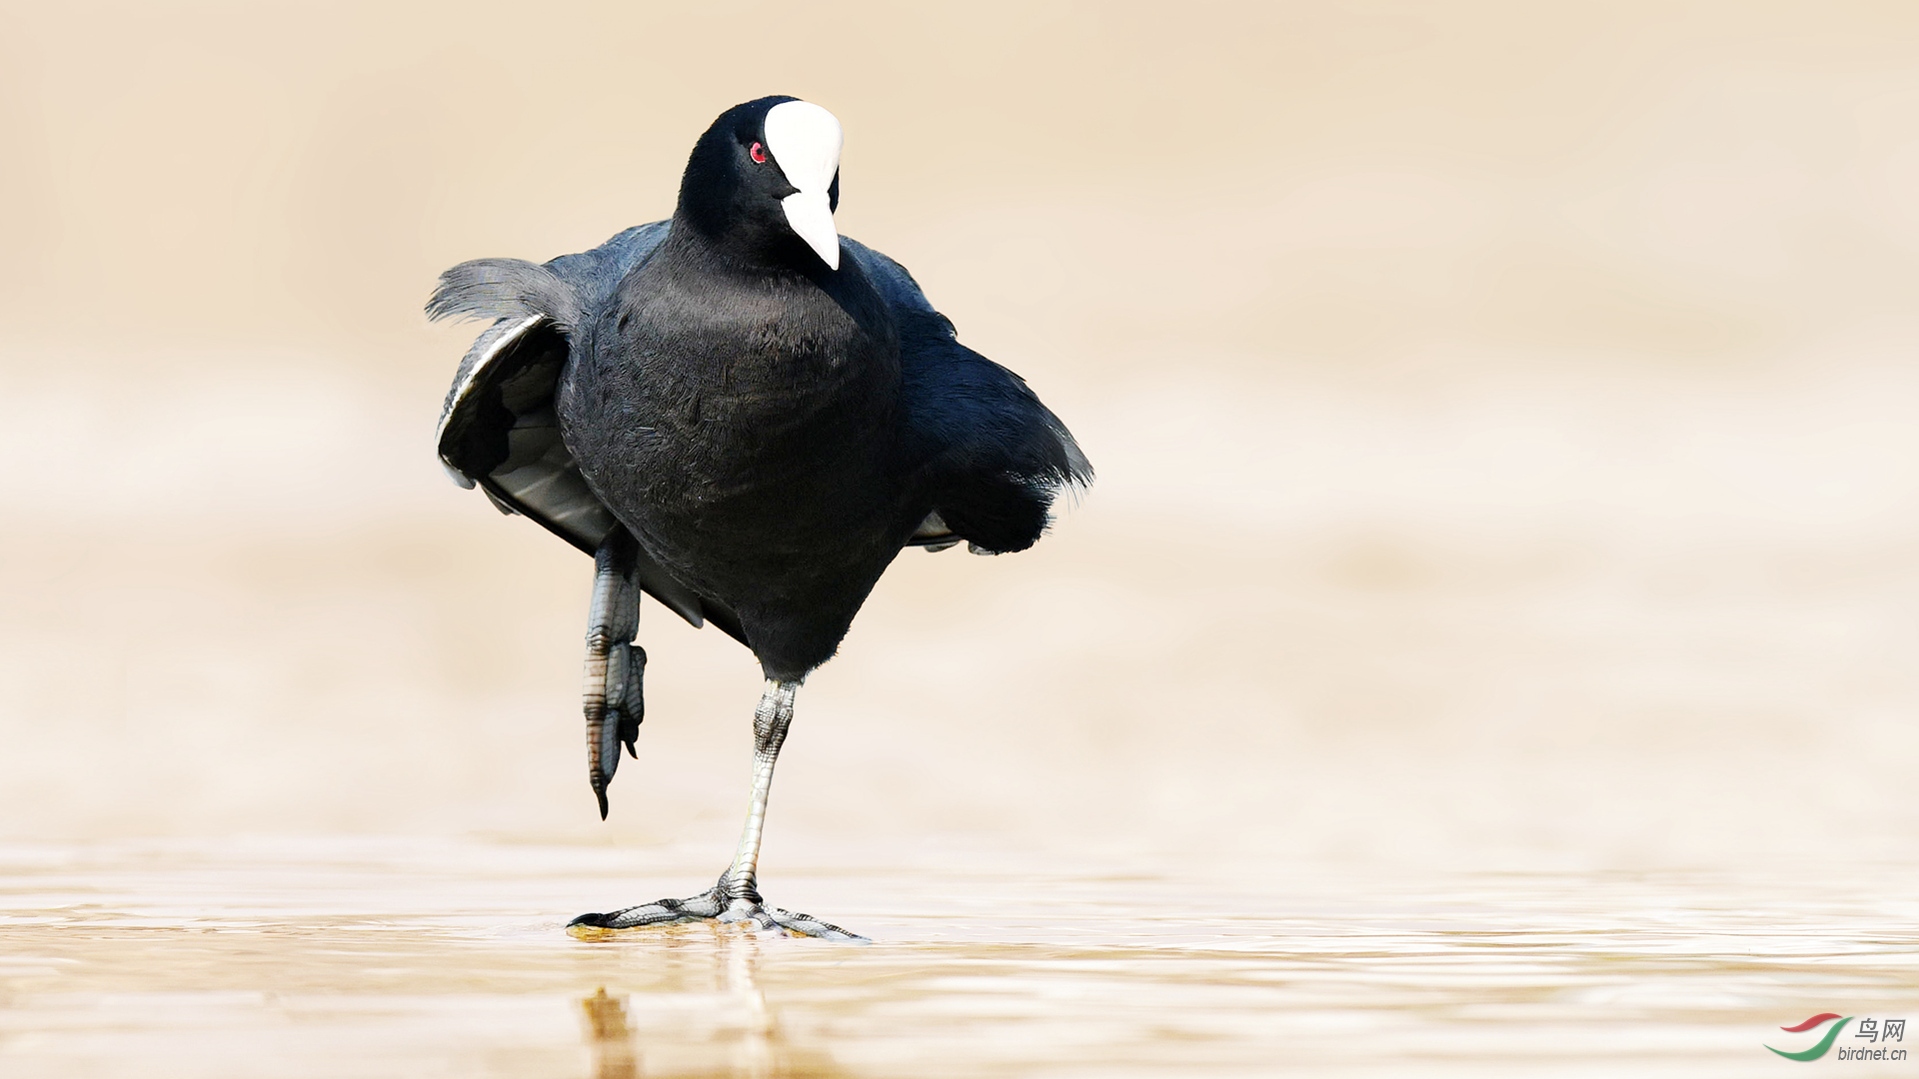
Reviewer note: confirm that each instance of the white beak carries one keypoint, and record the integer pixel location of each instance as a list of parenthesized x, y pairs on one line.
[(805, 140)]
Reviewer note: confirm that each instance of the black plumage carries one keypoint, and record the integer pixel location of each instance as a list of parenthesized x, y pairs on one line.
[(753, 434)]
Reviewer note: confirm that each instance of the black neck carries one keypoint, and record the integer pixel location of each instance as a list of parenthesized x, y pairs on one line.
[(743, 250)]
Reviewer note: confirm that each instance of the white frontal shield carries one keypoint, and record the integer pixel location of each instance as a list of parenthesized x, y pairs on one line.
[(805, 141)]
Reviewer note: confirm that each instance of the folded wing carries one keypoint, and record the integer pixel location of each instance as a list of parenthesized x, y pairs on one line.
[(990, 454), (499, 429)]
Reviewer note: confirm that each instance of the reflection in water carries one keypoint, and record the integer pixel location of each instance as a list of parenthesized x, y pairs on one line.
[(407, 959), (735, 1032), (608, 1037)]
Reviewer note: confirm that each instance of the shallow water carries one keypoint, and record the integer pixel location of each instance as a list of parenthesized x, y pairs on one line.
[(1506, 461), (377, 958)]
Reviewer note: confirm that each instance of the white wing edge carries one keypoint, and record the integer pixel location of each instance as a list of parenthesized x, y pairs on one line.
[(466, 384)]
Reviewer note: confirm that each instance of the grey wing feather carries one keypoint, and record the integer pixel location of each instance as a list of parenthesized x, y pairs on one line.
[(499, 429)]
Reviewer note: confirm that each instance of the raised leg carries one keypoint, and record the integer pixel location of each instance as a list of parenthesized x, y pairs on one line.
[(736, 896), (615, 666)]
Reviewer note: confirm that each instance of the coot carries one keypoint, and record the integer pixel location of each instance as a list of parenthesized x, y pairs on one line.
[(745, 416)]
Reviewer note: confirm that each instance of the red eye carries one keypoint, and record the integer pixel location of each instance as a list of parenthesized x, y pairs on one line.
[(758, 153)]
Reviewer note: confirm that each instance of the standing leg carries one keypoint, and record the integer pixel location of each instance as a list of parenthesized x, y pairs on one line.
[(770, 721), (736, 896)]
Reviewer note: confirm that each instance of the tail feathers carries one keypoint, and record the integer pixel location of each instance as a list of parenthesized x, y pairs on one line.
[(1001, 500), (504, 289), (997, 513)]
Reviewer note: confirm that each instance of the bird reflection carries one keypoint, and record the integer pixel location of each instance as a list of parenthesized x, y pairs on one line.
[(648, 1033), (608, 1036)]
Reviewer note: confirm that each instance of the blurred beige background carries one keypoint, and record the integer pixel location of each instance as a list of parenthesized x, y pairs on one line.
[(1504, 415)]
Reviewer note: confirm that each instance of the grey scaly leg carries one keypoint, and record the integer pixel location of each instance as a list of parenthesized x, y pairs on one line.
[(736, 896), (770, 721), (615, 666)]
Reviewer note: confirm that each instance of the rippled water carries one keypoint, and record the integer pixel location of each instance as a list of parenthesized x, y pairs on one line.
[(377, 958)]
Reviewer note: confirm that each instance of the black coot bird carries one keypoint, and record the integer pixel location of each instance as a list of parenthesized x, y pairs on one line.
[(747, 417)]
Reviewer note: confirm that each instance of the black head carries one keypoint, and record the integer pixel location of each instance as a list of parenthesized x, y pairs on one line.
[(762, 184)]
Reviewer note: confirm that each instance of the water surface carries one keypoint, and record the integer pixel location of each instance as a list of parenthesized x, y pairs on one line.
[(409, 958)]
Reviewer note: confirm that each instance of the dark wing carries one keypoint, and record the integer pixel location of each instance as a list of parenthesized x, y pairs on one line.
[(991, 455), (499, 429)]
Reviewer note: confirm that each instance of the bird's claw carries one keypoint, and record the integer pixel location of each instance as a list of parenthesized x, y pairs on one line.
[(715, 905), (615, 667)]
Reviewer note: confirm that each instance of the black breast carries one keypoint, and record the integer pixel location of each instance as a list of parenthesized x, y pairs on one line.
[(747, 429)]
